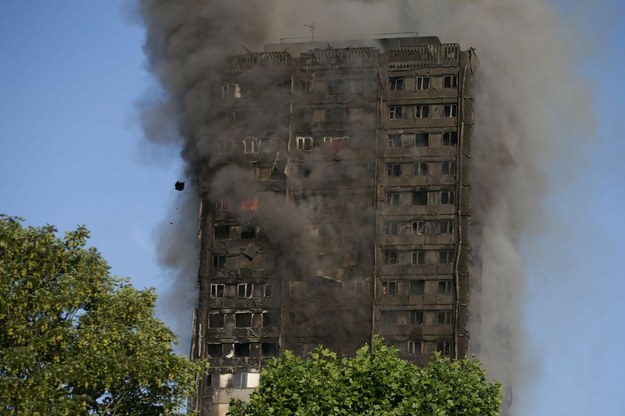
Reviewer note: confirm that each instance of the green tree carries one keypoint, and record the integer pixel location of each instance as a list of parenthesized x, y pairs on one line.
[(74, 339), (374, 382)]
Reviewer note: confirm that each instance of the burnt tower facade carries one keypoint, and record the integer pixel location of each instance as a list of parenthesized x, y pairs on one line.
[(341, 208)]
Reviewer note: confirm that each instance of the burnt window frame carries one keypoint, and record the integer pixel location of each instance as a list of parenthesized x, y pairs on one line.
[(423, 83), (218, 290), (449, 138), (448, 197), (420, 198), (416, 287), (417, 257), (420, 169), (450, 81), (243, 320), (392, 199), (393, 170), (422, 111), (448, 168), (390, 287), (396, 83), (216, 320), (391, 257)]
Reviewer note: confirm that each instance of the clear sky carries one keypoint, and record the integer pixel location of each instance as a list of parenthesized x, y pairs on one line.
[(72, 153)]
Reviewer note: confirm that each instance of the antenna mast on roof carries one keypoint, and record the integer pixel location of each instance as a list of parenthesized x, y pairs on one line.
[(312, 31)]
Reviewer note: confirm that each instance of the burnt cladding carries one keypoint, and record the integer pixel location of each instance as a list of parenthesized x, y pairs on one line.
[(335, 206)]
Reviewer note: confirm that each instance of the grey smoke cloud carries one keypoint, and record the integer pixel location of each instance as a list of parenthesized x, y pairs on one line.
[(530, 106)]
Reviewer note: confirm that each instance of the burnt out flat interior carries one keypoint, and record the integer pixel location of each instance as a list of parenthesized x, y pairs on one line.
[(347, 210)]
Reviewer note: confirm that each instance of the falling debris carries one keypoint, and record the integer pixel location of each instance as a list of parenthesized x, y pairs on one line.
[(179, 186)]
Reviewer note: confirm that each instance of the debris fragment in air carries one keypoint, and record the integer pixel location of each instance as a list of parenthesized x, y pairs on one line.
[(179, 186)]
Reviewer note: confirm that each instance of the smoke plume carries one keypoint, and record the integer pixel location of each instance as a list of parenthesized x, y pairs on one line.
[(530, 105)]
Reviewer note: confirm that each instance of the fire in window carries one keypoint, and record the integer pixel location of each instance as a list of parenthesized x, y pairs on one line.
[(450, 81), (396, 83), (389, 288), (244, 290), (423, 83), (417, 257), (450, 110), (422, 111), (391, 257), (217, 290), (304, 143), (396, 112)]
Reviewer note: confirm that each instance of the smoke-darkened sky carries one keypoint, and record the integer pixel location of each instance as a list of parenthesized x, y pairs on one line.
[(71, 152)]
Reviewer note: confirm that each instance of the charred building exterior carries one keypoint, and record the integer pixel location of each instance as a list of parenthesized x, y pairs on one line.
[(347, 209)]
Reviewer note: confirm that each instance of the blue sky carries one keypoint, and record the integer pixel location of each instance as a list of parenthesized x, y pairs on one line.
[(72, 153)]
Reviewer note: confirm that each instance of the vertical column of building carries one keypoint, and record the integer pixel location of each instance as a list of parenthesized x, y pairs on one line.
[(237, 323), (332, 143), (421, 267)]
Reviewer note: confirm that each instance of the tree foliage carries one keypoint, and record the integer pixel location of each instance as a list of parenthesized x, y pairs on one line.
[(76, 340), (374, 382)]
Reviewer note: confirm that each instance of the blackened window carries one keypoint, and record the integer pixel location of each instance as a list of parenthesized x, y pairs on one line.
[(446, 227), (450, 81), (222, 232), (443, 347), (392, 198), (448, 197), (244, 290), (445, 287), (248, 232), (216, 320), (269, 349), (389, 317), (443, 317), (396, 112), (420, 198), (219, 261), (421, 139), (448, 168), (450, 138), (416, 287), (394, 141), (242, 349), (423, 83), (243, 320), (420, 169), (419, 227), (214, 350), (396, 83), (416, 317), (422, 111), (446, 256), (393, 169), (450, 110), (417, 257), (389, 288), (217, 290), (391, 257)]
